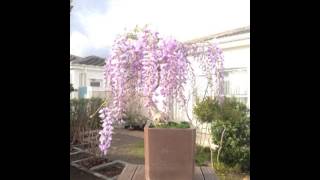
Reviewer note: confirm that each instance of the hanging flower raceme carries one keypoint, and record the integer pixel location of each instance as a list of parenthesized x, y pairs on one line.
[(210, 57), (144, 63), (218, 72), (106, 132)]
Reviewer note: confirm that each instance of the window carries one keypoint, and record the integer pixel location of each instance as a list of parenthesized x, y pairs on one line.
[(95, 83), (235, 82)]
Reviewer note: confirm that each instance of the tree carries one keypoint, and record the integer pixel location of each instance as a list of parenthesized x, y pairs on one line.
[(145, 64), (235, 121), (230, 129)]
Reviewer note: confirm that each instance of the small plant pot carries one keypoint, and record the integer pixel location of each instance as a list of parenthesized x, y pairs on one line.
[(169, 153)]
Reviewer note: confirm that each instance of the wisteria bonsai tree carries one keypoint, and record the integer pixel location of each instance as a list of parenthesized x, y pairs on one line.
[(144, 63)]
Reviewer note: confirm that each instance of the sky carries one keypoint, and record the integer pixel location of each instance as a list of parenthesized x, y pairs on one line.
[(94, 24)]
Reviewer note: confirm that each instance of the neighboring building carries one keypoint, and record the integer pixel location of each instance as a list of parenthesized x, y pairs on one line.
[(236, 48), (236, 51), (86, 76)]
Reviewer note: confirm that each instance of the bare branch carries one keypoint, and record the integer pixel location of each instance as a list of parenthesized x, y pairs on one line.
[(220, 146), (158, 82), (205, 92)]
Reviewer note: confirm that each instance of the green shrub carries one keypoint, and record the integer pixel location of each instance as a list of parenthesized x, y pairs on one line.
[(202, 156), (206, 110), (80, 121), (135, 114), (81, 109), (134, 120), (172, 125), (233, 116)]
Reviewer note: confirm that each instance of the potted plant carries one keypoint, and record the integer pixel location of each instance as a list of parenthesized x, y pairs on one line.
[(157, 69), (169, 151)]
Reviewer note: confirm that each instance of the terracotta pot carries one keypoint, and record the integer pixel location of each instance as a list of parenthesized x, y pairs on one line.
[(169, 153)]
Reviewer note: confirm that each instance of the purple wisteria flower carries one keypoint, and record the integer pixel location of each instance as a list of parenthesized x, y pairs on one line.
[(154, 67)]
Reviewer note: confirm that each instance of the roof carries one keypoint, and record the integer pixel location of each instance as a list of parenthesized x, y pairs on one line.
[(73, 57), (90, 60), (229, 33)]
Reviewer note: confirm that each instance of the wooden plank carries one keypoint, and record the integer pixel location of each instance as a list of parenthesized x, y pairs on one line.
[(128, 172), (208, 173), (139, 174), (198, 174), (136, 172)]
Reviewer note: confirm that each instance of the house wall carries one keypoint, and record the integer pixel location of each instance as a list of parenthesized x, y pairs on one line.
[(236, 52), (82, 75), (237, 67)]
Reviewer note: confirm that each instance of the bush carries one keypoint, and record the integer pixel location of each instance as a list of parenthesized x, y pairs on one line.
[(135, 121), (233, 116), (206, 110), (202, 156), (135, 113), (171, 124), (80, 121), (81, 109)]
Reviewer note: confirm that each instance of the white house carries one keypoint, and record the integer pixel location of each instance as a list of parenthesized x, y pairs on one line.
[(86, 76), (236, 51)]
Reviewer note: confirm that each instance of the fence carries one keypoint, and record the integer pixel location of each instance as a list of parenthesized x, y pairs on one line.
[(89, 94), (100, 94)]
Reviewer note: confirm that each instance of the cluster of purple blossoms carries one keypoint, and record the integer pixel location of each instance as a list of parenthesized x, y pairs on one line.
[(144, 63)]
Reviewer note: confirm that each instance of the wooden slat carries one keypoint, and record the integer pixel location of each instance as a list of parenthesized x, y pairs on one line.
[(208, 173), (128, 172), (136, 172), (198, 174), (139, 174)]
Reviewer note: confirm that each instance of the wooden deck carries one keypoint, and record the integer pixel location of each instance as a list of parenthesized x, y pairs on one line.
[(136, 172)]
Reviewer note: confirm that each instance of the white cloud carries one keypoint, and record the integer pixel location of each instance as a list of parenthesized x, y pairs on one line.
[(100, 21), (78, 43)]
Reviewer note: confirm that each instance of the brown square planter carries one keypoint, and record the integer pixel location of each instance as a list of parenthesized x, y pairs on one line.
[(169, 153)]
